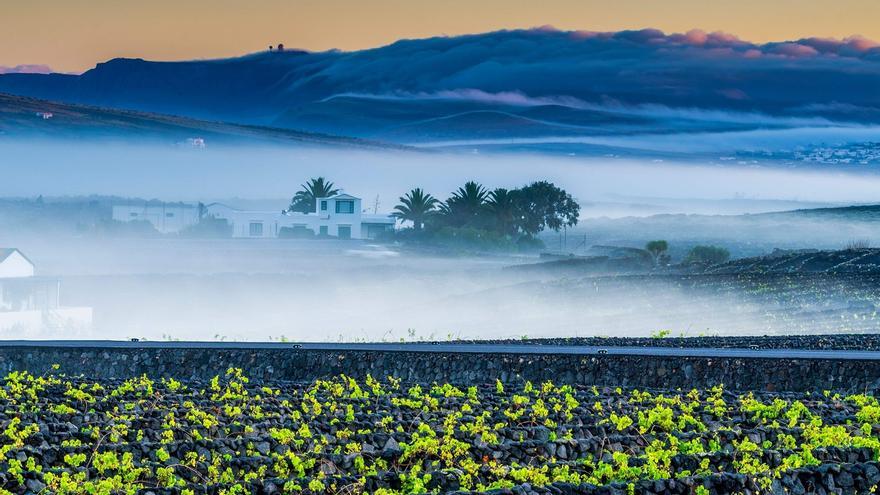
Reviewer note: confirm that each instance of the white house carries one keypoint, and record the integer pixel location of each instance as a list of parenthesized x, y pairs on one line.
[(29, 303), (196, 142), (165, 217), (337, 216), (14, 264)]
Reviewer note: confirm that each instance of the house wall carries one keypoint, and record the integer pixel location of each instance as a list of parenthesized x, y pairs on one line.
[(273, 221), (16, 265), (29, 294), (23, 323), (164, 218), (335, 220), (241, 223), (373, 225)]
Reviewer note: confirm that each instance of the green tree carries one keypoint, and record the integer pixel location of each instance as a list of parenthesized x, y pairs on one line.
[(416, 206), (657, 249), (465, 205), (542, 205), (305, 200)]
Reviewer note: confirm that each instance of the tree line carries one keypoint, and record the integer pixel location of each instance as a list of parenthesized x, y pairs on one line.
[(521, 212), (506, 213)]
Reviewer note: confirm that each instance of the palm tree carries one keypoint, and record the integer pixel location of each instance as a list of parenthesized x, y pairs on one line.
[(502, 206), (465, 203), (415, 206), (305, 200)]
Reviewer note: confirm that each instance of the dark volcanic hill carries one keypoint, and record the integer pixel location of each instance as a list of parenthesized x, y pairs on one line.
[(616, 82), (21, 117)]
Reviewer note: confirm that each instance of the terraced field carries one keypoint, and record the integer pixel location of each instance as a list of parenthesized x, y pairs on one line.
[(343, 435), (756, 303)]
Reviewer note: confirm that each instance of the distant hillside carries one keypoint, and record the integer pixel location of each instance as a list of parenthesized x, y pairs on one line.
[(22, 117), (861, 260), (599, 82), (744, 235), (416, 119), (862, 213)]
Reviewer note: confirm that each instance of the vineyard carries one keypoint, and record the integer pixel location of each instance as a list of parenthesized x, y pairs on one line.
[(724, 303), (231, 435)]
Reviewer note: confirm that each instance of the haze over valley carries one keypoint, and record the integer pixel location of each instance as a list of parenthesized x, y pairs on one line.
[(701, 140)]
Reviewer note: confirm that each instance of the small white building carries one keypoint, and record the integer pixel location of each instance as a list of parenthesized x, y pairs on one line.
[(30, 304), (337, 216), (14, 264), (166, 218), (196, 142)]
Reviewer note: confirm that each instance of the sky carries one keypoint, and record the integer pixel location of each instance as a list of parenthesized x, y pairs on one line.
[(73, 35)]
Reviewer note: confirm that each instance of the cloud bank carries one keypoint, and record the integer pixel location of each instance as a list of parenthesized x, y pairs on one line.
[(814, 78), (26, 69)]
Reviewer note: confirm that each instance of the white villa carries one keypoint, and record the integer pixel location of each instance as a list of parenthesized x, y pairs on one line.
[(29, 303), (337, 216)]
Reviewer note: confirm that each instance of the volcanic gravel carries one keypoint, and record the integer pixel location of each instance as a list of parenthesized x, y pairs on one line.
[(344, 435), (860, 342)]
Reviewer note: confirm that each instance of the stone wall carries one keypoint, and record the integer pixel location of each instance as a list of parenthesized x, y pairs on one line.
[(758, 374)]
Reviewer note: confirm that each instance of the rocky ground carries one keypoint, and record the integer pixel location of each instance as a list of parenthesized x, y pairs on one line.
[(855, 260), (860, 260), (856, 342), (747, 303), (232, 435)]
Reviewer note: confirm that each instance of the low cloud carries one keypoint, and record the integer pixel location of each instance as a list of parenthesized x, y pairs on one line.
[(793, 50), (721, 42), (26, 69), (691, 70), (515, 98)]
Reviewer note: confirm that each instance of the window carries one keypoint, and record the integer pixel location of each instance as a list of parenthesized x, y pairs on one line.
[(323, 206), (344, 231), (169, 215), (256, 229), (132, 214), (346, 206), (322, 230)]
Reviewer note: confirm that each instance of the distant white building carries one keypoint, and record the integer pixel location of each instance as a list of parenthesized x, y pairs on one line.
[(14, 264), (337, 216), (29, 303), (167, 218), (196, 142)]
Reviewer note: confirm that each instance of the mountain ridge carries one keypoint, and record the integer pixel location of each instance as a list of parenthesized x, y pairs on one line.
[(811, 78)]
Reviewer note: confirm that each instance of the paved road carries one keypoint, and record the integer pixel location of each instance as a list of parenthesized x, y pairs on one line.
[(708, 352)]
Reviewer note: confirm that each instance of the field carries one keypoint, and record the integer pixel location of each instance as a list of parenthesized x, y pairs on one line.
[(193, 289), (231, 435)]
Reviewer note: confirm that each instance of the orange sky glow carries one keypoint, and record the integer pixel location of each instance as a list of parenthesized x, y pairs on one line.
[(73, 35)]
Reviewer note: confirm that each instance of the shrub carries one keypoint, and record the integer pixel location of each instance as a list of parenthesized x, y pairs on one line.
[(658, 250), (208, 227), (858, 244), (296, 233), (473, 238), (710, 255)]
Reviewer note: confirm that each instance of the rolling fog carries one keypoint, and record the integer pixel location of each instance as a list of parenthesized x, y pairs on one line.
[(346, 291), (272, 174), (170, 288)]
